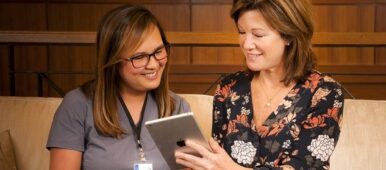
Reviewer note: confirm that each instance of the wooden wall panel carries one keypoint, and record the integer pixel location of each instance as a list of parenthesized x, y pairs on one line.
[(180, 55), (80, 60), (380, 53), (125, 1), (179, 15), (76, 17), (67, 82), (25, 16), (72, 58), (214, 18), (21, 1), (26, 84), (31, 58), (367, 91), (212, 1), (342, 1), (86, 17), (313, 1), (4, 85), (193, 83), (344, 18), (166, 14)]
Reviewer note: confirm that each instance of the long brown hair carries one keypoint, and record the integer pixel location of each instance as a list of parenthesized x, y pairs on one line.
[(292, 19), (122, 28)]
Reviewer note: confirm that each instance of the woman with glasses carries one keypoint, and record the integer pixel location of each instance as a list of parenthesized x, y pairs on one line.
[(280, 113), (100, 125)]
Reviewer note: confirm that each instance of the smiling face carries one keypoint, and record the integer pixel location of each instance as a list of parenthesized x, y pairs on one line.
[(148, 77), (262, 46)]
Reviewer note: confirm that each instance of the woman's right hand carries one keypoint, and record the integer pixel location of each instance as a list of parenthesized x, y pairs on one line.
[(217, 159)]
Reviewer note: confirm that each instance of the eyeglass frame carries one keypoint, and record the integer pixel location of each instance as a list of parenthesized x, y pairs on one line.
[(167, 47)]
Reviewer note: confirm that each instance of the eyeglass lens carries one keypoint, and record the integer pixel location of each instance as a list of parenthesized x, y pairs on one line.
[(143, 59)]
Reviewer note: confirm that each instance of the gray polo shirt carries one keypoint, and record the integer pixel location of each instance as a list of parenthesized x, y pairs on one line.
[(73, 128)]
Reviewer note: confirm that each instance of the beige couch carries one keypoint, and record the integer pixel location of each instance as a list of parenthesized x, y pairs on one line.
[(361, 145)]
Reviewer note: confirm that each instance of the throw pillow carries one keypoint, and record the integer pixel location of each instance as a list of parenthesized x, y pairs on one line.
[(7, 155)]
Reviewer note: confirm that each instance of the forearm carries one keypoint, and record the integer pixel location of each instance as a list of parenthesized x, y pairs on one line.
[(65, 159)]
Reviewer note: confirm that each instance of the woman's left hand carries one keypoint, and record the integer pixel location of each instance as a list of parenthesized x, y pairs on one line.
[(209, 160)]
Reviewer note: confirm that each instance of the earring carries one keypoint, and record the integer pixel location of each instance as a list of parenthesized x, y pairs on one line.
[(288, 43)]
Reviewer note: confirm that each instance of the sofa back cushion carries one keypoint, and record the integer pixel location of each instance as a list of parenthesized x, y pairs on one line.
[(29, 121), (7, 153), (361, 143), (201, 105)]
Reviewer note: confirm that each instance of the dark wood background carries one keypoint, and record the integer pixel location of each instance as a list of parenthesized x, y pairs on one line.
[(194, 69)]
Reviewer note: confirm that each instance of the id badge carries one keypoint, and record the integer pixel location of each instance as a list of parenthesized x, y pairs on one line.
[(143, 165)]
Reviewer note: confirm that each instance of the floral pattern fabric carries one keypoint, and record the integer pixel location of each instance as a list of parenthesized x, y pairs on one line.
[(300, 134)]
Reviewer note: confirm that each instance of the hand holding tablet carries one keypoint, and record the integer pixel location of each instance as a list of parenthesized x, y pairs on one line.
[(170, 134)]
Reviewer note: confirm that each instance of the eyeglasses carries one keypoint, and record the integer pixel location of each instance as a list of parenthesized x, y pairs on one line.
[(141, 60)]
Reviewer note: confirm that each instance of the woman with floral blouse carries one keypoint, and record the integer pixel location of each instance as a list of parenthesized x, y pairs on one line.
[(280, 113)]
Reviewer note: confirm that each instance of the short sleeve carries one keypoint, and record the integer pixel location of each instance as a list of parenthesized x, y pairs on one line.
[(68, 126)]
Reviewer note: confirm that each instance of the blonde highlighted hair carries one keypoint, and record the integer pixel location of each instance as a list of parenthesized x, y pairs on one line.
[(292, 19)]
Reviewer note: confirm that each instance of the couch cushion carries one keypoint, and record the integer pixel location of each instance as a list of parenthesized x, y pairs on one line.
[(7, 155), (361, 143), (29, 120), (201, 105)]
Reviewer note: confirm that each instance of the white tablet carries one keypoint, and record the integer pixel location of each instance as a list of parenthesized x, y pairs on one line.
[(170, 133)]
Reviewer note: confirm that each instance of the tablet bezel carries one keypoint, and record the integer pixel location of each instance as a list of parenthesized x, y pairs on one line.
[(166, 132)]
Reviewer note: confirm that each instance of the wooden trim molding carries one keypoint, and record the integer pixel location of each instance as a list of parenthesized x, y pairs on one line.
[(191, 38)]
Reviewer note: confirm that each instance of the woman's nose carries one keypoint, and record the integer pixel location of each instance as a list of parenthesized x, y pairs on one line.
[(153, 63), (248, 42)]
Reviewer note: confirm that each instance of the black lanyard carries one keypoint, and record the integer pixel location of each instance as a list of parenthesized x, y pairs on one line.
[(136, 129)]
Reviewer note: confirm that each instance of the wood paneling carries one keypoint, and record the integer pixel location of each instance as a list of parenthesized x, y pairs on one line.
[(380, 52), (86, 17), (26, 16), (216, 2), (184, 16), (363, 82), (172, 17), (31, 58), (367, 91), (78, 61), (125, 1), (214, 18), (68, 82), (342, 1), (344, 56), (76, 17), (180, 55), (13, 16), (166, 14), (21, 1), (4, 85), (344, 18), (26, 84), (72, 58)]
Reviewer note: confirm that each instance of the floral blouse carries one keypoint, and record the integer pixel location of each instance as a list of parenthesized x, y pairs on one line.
[(300, 134)]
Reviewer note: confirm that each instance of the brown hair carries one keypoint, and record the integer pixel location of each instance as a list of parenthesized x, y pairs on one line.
[(121, 28), (292, 19)]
